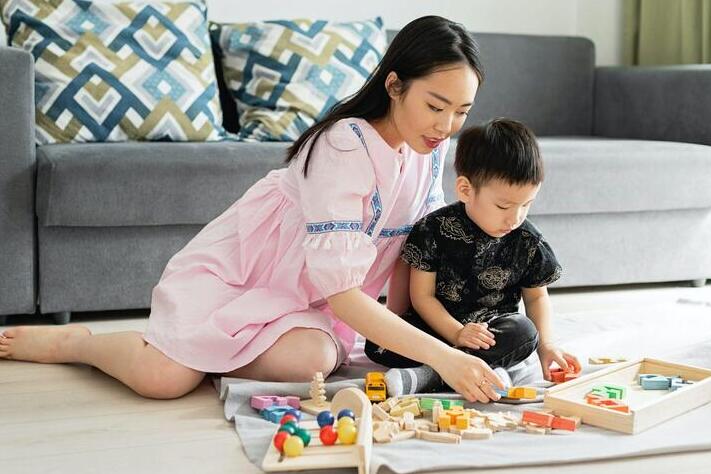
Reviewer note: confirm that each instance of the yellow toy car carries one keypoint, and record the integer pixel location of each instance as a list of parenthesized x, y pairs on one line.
[(375, 386)]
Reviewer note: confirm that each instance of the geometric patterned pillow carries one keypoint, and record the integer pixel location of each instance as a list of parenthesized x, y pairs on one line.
[(285, 75), (118, 72)]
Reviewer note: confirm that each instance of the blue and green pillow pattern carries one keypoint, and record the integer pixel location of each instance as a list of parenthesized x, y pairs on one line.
[(285, 75), (118, 71)]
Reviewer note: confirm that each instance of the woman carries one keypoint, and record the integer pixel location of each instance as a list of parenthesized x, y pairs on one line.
[(276, 287)]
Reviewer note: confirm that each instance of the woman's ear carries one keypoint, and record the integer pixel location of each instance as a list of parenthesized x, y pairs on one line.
[(463, 188), (393, 85)]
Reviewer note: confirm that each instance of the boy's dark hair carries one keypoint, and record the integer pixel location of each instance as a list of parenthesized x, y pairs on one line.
[(500, 149), (423, 46)]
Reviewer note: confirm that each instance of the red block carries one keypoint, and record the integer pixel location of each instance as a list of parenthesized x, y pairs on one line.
[(563, 423), (540, 419)]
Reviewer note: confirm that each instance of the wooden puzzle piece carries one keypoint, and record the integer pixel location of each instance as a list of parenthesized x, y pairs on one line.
[(605, 360), (261, 402)]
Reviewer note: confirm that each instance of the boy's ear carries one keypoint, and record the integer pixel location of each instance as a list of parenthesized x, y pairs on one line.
[(463, 188)]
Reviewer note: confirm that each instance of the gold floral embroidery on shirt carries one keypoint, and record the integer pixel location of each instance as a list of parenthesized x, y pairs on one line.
[(413, 255), (451, 227), (451, 290), (491, 299), (494, 278)]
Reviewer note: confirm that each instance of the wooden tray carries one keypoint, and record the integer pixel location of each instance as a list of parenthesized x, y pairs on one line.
[(318, 456), (647, 407)]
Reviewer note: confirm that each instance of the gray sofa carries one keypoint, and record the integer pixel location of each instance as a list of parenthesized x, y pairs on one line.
[(627, 197)]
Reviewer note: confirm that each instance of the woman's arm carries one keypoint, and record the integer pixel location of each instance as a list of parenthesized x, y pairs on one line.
[(466, 374), (399, 288)]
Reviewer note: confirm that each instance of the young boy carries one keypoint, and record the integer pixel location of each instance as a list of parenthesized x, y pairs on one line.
[(472, 262)]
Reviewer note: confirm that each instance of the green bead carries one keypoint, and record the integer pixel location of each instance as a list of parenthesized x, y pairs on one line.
[(304, 435), (288, 427)]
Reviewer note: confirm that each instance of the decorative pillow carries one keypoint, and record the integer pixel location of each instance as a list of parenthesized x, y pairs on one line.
[(285, 75), (117, 72)]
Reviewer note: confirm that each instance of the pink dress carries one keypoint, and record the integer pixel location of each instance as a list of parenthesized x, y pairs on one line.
[(267, 264)]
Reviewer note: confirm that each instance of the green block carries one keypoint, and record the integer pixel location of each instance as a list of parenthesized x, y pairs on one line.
[(616, 392), (426, 403)]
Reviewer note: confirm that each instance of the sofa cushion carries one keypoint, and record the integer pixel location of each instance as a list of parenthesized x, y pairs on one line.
[(597, 175), (120, 71), (286, 74), (125, 184)]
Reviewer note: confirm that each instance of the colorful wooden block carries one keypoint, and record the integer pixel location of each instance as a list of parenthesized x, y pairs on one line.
[(522, 392), (275, 413), (462, 423), (537, 418), (261, 402), (564, 423), (654, 382)]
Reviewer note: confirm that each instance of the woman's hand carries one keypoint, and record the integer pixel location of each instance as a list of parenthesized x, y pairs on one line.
[(468, 375), (549, 353), (475, 336)]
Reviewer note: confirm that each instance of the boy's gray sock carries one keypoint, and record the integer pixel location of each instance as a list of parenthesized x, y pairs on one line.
[(422, 379)]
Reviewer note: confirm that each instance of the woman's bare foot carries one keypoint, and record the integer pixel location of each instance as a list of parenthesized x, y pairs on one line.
[(46, 344)]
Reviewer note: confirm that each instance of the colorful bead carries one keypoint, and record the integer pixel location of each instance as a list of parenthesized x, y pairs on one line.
[(293, 446), (346, 412), (328, 435), (279, 439), (347, 434), (325, 418), (304, 435)]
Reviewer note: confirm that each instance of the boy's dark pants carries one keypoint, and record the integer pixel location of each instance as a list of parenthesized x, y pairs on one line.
[(515, 335)]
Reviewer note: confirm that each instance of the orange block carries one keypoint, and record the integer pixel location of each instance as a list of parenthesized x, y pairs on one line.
[(563, 423), (540, 419)]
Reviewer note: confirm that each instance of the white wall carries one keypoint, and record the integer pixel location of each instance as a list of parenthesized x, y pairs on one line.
[(600, 20)]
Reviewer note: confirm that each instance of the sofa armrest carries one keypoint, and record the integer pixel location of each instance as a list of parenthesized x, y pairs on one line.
[(17, 174), (669, 103)]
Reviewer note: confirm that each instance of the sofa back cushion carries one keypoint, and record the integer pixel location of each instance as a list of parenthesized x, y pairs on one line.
[(118, 72), (286, 74)]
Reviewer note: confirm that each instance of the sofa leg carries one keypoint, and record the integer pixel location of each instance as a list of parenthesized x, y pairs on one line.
[(698, 283), (62, 317)]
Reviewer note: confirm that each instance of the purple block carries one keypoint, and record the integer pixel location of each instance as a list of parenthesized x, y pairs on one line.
[(260, 402)]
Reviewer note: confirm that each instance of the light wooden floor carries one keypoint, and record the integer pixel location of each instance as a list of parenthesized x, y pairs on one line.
[(75, 419)]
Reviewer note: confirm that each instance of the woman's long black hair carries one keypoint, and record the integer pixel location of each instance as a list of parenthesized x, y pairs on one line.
[(421, 47)]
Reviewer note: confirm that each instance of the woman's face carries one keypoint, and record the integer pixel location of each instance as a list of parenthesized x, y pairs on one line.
[(434, 107)]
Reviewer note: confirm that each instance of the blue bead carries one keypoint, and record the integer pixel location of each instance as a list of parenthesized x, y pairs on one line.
[(324, 418), (346, 412)]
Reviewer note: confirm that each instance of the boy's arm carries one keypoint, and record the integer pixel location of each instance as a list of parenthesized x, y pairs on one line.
[(538, 309), (422, 294), (399, 288)]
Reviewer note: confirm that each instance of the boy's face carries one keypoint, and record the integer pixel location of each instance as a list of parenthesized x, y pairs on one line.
[(433, 107), (496, 207)]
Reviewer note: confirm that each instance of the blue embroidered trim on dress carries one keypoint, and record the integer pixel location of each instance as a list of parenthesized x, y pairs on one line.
[(333, 226), (403, 230), (435, 172), (375, 202), (377, 210)]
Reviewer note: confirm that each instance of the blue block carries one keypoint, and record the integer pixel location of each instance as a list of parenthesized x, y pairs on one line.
[(502, 392), (275, 413), (655, 382)]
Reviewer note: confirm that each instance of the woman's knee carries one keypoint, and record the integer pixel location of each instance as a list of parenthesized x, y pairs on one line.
[(307, 351), (157, 376)]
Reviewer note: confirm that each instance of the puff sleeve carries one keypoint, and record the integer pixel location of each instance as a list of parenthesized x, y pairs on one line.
[(543, 267), (333, 196)]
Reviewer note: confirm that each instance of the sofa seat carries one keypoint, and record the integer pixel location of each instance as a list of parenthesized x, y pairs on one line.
[(146, 184), (139, 184)]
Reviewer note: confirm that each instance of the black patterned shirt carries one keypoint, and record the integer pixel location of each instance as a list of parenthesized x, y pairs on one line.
[(478, 276)]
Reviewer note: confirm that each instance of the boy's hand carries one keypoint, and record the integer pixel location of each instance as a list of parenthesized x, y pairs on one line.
[(549, 353), (475, 336)]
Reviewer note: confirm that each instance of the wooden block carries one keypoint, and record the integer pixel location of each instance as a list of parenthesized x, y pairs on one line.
[(444, 422), (261, 402), (385, 431), (463, 423), (535, 429), (379, 413), (441, 437), (522, 392), (408, 421), (540, 419), (425, 425), (477, 433), (400, 409), (314, 407), (605, 360), (564, 423)]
